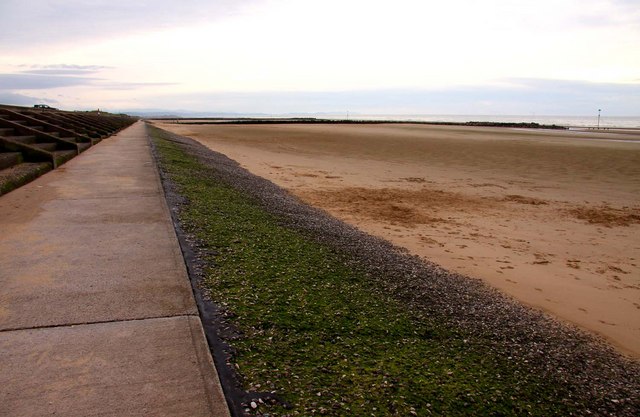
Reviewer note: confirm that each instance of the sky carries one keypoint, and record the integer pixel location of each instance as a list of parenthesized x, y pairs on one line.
[(502, 57)]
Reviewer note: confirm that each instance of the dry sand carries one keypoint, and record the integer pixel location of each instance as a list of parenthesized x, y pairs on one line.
[(550, 217)]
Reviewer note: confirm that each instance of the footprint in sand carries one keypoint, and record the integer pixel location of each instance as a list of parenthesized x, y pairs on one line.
[(541, 259), (616, 269), (414, 179), (430, 241), (611, 268), (573, 263)]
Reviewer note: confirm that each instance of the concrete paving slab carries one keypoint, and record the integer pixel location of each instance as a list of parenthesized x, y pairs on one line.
[(109, 246), (127, 273), (134, 368), (96, 175), (97, 316)]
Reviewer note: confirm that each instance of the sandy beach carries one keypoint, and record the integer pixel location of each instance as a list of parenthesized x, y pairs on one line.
[(551, 218)]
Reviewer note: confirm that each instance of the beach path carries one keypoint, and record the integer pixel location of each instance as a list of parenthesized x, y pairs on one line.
[(97, 315)]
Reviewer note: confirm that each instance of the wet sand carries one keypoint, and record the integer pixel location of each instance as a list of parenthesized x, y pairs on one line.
[(550, 217)]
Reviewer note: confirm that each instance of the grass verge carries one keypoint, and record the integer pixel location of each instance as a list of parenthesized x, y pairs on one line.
[(321, 335)]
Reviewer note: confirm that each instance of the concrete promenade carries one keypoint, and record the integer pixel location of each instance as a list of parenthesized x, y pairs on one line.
[(97, 317)]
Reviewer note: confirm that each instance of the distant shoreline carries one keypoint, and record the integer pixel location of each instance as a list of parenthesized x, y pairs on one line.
[(567, 121), (313, 120)]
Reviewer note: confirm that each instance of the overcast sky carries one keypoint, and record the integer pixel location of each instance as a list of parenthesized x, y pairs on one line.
[(555, 57)]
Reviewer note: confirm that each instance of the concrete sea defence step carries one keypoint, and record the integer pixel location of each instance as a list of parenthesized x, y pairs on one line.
[(34, 141)]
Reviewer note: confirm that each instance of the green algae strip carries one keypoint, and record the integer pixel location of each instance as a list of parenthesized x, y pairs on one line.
[(320, 335)]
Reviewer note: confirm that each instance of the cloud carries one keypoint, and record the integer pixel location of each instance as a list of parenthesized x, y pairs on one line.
[(58, 72), (27, 81), (614, 13), (130, 86), (70, 67), (63, 69), (41, 77), (28, 23), (22, 100)]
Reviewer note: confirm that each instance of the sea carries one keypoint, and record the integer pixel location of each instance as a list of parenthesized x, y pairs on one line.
[(567, 121)]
